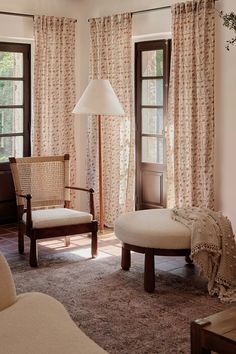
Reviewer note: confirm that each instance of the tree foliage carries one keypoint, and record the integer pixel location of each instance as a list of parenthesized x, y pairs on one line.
[(7, 65), (229, 21)]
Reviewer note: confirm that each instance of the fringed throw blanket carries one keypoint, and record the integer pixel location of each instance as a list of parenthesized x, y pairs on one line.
[(213, 248)]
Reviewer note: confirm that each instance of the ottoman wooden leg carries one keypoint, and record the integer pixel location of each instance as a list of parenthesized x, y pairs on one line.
[(188, 260), (125, 259), (149, 271)]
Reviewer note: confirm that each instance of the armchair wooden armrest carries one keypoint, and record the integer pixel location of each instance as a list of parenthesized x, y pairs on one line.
[(90, 190), (22, 210), (91, 197), (26, 196)]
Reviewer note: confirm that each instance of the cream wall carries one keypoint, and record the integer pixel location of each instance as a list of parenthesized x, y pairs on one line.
[(145, 24), (21, 27), (225, 108)]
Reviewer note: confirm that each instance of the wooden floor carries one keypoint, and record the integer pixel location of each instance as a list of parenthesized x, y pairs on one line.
[(108, 245)]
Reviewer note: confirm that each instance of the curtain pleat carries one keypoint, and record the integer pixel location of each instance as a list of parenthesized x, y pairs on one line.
[(54, 88), (190, 126), (111, 58)]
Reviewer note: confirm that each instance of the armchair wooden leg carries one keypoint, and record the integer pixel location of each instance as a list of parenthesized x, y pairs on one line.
[(125, 259), (33, 252), (149, 270), (67, 241), (94, 244), (21, 247)]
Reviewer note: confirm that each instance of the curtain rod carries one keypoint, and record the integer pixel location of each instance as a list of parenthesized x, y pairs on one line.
[(153, 9), (149, 10), (19, 14)]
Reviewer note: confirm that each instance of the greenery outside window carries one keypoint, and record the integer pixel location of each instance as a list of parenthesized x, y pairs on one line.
[(14, 100)]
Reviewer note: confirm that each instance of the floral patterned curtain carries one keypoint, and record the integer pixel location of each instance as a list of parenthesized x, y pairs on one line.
[(111, 58), (54, 87), (190, 133)]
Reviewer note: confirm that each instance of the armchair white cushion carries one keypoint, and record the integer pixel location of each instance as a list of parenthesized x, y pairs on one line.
[(54, 217)]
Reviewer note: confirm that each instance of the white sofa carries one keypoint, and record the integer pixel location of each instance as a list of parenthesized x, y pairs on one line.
[(35, 323)]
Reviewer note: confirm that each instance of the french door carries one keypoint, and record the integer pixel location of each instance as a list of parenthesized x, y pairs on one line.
[(152, 65), (14, 118)]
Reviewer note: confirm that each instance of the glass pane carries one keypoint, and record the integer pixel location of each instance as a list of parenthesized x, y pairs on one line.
[(11, 146), (11, 64), (11, 120), (160, 150), (152, 63), (149, 148), (152, 150), (152, 121), (11, 92), (152, 92)]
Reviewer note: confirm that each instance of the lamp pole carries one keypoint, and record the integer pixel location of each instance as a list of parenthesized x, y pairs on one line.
[(101, 222), (99, 99)]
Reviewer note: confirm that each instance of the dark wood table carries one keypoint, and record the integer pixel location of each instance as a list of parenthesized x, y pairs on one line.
[(215, 333)]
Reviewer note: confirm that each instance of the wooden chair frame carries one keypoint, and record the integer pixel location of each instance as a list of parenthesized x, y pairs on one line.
[(26, 228)]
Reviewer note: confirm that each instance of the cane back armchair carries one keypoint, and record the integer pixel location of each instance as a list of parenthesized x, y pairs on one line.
[(43, 203)]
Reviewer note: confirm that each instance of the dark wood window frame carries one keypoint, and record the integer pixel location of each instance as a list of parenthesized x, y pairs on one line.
[(140, 166), (26, 106), (7, 194)]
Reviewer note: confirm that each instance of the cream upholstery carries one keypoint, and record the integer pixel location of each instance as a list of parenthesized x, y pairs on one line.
[(39, 324), (153, 228), (7, 286), (34, 323), (58, 217)]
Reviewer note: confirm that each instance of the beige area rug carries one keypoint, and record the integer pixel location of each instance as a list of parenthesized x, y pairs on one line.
[(111, 307)]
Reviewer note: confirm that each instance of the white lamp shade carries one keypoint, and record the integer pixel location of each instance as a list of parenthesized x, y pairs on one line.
[(99, 98)]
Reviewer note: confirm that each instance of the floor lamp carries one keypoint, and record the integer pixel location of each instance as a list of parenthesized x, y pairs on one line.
[(100, 99)]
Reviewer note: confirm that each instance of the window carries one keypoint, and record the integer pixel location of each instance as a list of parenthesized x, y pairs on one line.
[(14, 119), (152, 76), (14, 100)]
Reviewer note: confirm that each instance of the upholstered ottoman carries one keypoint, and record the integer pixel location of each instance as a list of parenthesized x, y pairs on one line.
[(152, 232)]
